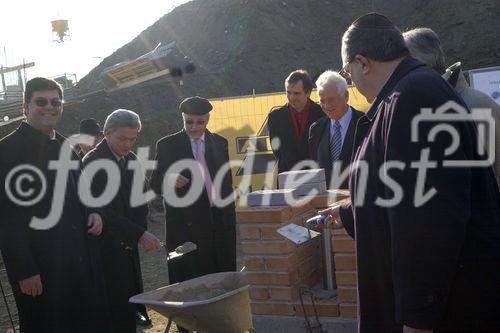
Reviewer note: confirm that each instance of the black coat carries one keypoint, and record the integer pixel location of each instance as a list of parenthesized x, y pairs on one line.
[(435, 265), (213, 230), (319, 146), (65, 256), (123, 226), (291, 150)]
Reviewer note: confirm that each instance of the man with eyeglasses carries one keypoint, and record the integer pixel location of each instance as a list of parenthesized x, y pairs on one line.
[(289, 124), (204, 221), (55, 274), (427, 230)]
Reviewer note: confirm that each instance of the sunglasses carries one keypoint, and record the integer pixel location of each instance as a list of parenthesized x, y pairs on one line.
[(198, 122), (43, 102)]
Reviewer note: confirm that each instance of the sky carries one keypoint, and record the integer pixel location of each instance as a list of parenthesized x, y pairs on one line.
[(97, 28)]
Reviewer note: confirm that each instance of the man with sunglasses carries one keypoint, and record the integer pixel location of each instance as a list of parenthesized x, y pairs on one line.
[(211, 226), (55, 274)]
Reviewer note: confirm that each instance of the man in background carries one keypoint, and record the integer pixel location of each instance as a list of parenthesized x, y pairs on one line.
[(289, 125), (91, 128), (331, 138), (424, 45)]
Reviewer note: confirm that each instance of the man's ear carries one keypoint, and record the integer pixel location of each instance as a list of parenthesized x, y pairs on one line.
[(346, 95), (366, 64), (25, 109)]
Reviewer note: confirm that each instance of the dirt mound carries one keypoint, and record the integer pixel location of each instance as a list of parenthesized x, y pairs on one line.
[(243, 45)]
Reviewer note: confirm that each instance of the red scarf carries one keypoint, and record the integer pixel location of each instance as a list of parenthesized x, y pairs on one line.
[(299, 119)]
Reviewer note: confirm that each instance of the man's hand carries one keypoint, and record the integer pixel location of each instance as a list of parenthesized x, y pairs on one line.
[(333, 217), (94, 223), (407, 329), (31, 286), (181, 181), (149, 241)]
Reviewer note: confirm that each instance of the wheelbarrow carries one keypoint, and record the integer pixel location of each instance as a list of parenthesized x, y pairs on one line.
[(213, 303)]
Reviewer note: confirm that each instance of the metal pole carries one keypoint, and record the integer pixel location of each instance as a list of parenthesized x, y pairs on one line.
[(328, 259)]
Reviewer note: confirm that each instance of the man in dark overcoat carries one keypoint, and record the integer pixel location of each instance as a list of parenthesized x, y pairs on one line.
[(331, 138), (425, 216), (52, 264), (125, 225), (289, 124), (205, 222)]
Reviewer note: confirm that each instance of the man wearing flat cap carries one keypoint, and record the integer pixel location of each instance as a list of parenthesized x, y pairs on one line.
[(207, 223), (427, 234)]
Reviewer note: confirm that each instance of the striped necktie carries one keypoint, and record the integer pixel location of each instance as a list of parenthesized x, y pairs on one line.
[(335, 142)]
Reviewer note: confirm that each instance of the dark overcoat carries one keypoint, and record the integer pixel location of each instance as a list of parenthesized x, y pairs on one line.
[(213, 230), (319, 146), (65, 256), (291, 150), (426, 262), (123, 226)]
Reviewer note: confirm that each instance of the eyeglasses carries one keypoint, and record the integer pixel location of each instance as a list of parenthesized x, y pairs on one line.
[(344, 73), (43, 102), (198, 122)]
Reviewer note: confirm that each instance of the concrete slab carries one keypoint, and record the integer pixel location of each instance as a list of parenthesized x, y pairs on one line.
[(289, 324)]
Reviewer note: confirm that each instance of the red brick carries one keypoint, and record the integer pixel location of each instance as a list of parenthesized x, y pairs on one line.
[(339, 231), (254, 263), (288, 293), (323, 308), (346, 278), (345, 261), (272, 308), (347, 294), (348, 310), (268, 247), (295, 275), (344, 244), (246, 232), (301, 209), (285, 262), (259, 293), (263, 214), (270, 233)]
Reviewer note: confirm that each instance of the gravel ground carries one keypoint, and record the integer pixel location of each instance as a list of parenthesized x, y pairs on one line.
[(154, 272)]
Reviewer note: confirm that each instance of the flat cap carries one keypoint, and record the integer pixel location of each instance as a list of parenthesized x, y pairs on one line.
[(195, 105), (90, 127), (373, 21)]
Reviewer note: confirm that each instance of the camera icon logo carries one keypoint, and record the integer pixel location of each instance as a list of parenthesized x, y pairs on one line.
[(454, 112)]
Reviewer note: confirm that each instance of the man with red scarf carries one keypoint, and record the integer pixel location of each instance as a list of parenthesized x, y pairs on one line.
[(290, 123)]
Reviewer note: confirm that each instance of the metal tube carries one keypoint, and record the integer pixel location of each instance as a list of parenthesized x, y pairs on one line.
[(328, 259)]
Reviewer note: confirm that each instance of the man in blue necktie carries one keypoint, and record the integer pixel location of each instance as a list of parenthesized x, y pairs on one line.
[(331, 137)]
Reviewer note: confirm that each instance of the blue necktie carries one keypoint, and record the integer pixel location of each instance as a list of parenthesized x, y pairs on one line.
[(335, 142)]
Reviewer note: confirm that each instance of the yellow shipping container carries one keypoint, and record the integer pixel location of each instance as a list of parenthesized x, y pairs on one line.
[(242, 120)]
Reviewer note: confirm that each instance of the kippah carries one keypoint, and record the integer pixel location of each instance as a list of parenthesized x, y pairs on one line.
[(373, 21)]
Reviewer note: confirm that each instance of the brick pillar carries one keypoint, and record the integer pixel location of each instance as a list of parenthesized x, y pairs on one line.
[(343, 247)]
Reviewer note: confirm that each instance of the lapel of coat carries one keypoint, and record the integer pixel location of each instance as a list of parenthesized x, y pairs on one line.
[(324, 156), (345, 153), (211, 153)]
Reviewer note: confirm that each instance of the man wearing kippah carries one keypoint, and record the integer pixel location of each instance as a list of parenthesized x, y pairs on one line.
[(427, 234), (207, 223)]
